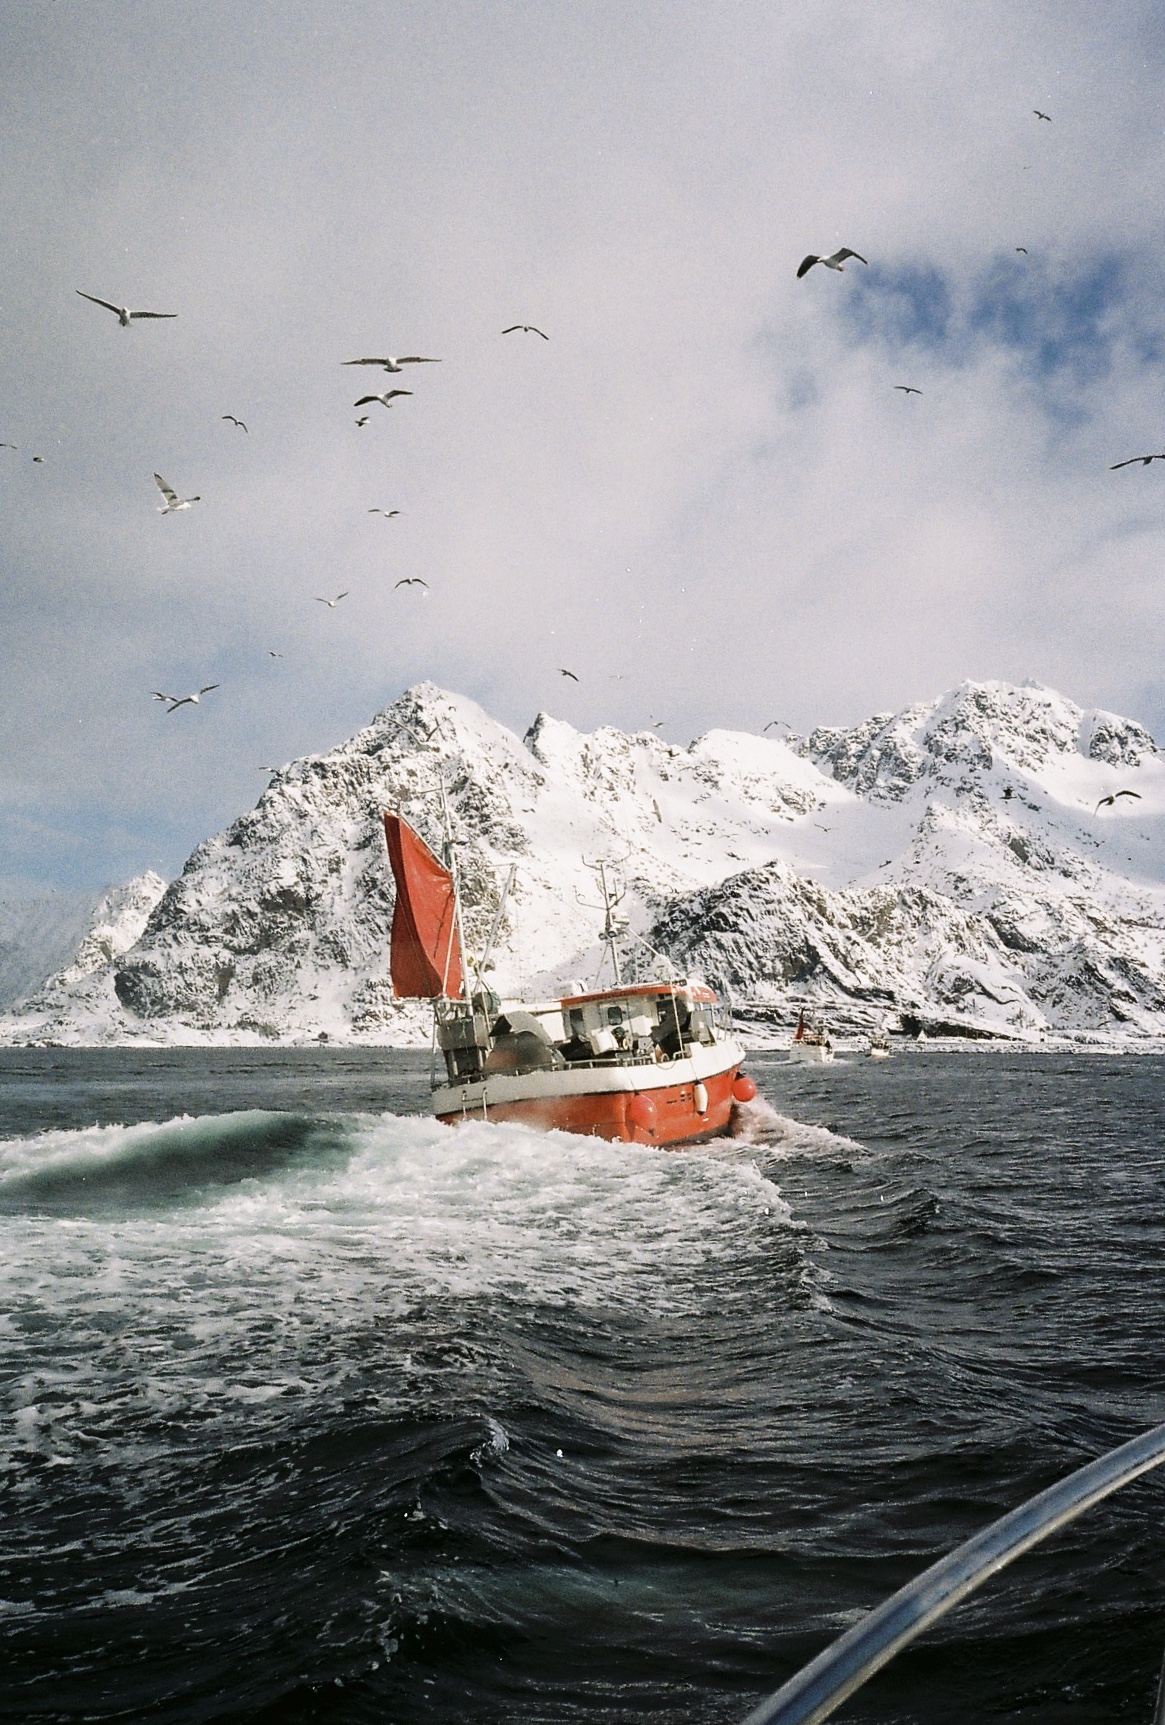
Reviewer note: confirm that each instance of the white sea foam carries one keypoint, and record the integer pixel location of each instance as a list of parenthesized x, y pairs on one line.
[(234, 1296)]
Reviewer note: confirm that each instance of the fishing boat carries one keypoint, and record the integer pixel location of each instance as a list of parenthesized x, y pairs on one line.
[(811, 1042), (879, 1046), (634, 1062)]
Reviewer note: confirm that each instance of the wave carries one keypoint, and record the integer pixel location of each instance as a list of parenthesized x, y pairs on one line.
[(123, 1168)]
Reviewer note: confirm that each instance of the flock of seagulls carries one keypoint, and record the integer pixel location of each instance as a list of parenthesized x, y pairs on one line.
[(173, 504), (838, 260), (394, 365)]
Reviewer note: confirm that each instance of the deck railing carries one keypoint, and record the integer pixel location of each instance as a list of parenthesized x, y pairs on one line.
[(822, 1685)]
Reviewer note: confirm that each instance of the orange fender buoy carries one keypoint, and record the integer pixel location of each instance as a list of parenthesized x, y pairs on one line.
[(743, 1088)]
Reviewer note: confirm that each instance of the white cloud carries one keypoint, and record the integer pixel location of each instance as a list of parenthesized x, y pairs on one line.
[(704, 482)]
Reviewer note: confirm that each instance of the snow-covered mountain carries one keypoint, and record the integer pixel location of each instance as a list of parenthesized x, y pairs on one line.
[(948, 863)]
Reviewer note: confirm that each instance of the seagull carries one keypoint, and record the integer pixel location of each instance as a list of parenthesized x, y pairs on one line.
[(527, 329), (410, 581), (39, 458), (124, 316), (233, 420), (1022, 249), (390, 363), (774, 723), (1040, 116), (836, 262), (363, 420), (907, 389), (385, 400), (173, 501), (387, 513), (332, 603), (1110, 802), (1133, 459), (9, 446), (272, 654), (177, 701), (565, 673), (658, 724)]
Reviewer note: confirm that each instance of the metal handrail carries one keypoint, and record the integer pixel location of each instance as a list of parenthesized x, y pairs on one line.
[(827, 1681)]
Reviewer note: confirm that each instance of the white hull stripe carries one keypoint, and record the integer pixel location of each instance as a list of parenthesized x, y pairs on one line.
[(502, 1087)]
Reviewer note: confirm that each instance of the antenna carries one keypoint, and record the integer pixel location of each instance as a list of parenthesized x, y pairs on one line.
[(614, 892), (483, 963)]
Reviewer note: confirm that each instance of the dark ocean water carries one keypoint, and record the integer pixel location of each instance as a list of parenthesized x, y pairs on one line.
[(315, 1410)]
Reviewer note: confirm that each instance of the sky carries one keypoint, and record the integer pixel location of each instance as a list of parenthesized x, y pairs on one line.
[(703, 494)]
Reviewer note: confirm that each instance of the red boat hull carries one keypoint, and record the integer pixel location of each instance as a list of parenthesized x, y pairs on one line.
[(671, 1118)]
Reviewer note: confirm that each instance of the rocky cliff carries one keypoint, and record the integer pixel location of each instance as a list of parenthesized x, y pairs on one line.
[(949, 863)]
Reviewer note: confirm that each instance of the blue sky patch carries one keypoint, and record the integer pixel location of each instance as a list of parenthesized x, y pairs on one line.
[(1063, 327)]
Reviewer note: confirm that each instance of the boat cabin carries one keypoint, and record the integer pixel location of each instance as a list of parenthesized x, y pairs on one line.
[(638, 1023)]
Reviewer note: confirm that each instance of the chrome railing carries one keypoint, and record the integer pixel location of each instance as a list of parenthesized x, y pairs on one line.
[(822, 1685)]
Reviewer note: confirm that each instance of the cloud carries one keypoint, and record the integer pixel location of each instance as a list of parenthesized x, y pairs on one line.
[(703, 485)]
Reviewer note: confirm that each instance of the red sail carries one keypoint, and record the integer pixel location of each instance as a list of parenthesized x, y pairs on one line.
[(425, 961)]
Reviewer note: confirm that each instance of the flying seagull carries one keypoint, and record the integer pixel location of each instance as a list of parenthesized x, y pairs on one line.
[(272, 654), (124, 316), (1133, 460), (387, 513), (363, 420), (385, 400), (565, 673), (391, 363), (836, 262), (177, 701), (1040, 116), (173, 501), (907, 389), (527, 329), (1110, 802), (332, 603), (410, 581), (657, 724), (233, 420), (774, 724), (1022, 249), (9, 446), (39, 458)]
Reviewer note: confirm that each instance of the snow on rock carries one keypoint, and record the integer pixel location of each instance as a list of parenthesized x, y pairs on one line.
[(947, 865)]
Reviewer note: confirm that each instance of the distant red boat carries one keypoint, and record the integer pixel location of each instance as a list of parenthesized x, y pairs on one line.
[(641, 1062)]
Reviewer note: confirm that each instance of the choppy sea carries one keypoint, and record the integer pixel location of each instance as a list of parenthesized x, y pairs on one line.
[(313, 1409)]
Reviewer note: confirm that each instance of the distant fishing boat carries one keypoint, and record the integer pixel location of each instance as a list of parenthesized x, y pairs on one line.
[(811, 1042), (638, 1062), (878, 1047)]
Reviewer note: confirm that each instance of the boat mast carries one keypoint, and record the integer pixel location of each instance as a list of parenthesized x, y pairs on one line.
[(612, 927), (451, 865)]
